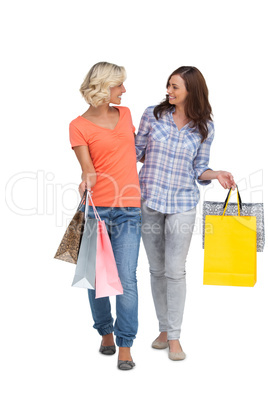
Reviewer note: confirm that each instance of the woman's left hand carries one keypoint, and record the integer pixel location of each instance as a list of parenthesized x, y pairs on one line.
[(226, 179)]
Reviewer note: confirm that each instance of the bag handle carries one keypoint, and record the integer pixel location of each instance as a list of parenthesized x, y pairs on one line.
[(82, 200), (239, 201), (88, 196)]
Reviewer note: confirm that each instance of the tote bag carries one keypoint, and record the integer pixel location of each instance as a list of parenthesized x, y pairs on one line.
[(230, 251), (70, 243), (246, 209)]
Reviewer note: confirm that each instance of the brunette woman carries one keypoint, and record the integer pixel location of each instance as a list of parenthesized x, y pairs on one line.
[(175, 138)]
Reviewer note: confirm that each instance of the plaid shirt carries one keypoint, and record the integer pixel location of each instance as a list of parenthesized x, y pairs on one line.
[(173, 162)]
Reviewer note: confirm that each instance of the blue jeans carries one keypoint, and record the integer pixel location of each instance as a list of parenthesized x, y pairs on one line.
[(124, 228)]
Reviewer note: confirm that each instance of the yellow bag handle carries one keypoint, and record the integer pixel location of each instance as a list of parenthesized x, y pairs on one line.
[(239, 202)]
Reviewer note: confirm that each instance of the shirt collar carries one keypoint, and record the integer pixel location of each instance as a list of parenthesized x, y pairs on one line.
[(170, 117)]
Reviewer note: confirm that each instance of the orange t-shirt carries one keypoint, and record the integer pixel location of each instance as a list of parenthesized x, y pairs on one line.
[(114, 158)]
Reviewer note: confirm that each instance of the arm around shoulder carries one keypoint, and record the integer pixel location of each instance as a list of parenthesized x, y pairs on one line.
[(142, 136)]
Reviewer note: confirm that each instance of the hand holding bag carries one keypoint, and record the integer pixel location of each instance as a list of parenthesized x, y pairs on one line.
[(70, 243), (230, 249)]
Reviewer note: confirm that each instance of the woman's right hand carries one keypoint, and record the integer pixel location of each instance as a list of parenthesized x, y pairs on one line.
[(82, 188)]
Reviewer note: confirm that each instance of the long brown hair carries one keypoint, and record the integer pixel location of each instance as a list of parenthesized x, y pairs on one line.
[(197, 107)]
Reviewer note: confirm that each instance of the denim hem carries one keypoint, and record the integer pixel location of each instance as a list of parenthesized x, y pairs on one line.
[(123, 342), (106, 330)]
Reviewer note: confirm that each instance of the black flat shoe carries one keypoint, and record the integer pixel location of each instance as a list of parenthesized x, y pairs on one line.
[(125, 364), (107, 350)]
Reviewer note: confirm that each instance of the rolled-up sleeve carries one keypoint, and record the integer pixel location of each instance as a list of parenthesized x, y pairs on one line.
[(142, 136), (201, 160)]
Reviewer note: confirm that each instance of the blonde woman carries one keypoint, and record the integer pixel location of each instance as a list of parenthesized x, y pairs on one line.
[(103, 141)]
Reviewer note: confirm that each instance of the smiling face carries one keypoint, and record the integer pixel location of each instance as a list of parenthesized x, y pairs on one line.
[(176, 90), (116, 93)]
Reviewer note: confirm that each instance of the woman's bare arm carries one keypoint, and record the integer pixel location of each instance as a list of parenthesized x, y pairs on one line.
[(225, 178), (88, 176)]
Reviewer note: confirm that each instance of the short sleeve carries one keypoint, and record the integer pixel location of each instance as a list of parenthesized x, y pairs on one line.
[(76, 137)]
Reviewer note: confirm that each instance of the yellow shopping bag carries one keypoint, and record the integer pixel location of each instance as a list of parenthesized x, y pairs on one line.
[(230, 256)]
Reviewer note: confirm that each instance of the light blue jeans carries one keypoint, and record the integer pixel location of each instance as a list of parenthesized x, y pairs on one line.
[(124, 228), (166, 238)]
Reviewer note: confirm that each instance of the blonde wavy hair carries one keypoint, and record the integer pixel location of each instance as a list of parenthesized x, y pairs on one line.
[(101, 77)]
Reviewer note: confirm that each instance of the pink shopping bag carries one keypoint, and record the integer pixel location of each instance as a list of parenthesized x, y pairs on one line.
[(107, 279)]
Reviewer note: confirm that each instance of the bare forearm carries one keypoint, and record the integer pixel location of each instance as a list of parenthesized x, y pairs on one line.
[(89, 176), (225, 178), (209, 175)]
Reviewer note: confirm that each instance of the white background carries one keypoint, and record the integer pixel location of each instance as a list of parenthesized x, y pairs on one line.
[(49, 350)]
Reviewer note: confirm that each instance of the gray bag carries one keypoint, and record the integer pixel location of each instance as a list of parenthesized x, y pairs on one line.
[(246, 209), (85, 272)]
